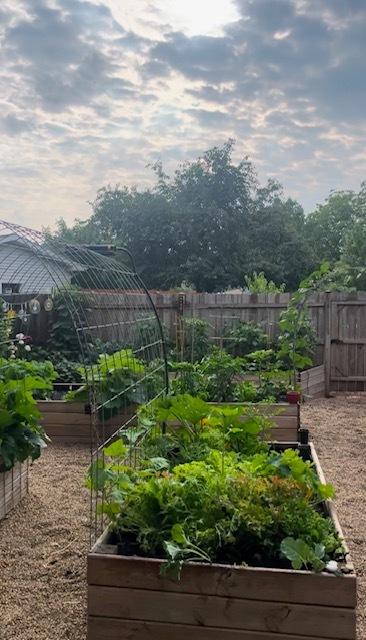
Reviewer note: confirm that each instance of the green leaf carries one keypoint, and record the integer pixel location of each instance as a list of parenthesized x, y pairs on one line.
[(116, 450), (297, 551), (178, 534)]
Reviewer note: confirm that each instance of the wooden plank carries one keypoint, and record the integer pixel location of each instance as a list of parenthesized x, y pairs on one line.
[(118, 629), (13, 486), (66, 419), (348, 378), (278, 585), (60, 406), (214, 611), (280, 408)]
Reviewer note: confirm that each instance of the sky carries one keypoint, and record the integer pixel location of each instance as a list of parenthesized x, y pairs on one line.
[(93, 92)]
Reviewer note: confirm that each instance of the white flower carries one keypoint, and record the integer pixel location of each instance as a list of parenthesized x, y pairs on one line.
[(21, 342), (332, 566), (27, 347), (12, 356), (19, 336)]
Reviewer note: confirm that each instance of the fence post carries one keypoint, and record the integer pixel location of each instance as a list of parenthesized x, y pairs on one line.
[(327, 341)]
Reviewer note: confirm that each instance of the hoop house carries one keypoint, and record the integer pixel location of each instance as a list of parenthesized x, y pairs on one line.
[(93, 300)]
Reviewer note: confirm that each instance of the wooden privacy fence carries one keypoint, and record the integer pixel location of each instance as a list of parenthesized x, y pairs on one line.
[(339, 320)]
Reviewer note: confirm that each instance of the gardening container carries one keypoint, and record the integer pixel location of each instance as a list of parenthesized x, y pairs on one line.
[(13, 486), (71, 421), (129, 599), (293, 397), (285, 417)]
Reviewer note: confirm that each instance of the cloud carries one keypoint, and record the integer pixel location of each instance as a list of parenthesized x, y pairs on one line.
[(92, 91), (12, 126), (65, 54)]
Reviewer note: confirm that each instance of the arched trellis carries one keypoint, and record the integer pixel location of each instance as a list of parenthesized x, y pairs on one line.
[(120, 342)]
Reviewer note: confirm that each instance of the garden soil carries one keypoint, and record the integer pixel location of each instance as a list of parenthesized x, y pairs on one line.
[(44, 541)]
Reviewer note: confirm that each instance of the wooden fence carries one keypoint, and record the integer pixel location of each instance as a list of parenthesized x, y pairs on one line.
[(339, 320)]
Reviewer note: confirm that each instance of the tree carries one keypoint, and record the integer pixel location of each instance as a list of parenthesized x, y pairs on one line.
[(327, 225), (209, 224)]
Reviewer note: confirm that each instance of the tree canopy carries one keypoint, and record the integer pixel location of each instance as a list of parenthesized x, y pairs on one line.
[(212, 224)]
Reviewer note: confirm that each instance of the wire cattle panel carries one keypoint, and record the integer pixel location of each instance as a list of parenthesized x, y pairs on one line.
[(111, 328)]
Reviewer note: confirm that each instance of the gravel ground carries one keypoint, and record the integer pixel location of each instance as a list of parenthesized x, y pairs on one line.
[(338, 430), (43, 547), (44, 541)]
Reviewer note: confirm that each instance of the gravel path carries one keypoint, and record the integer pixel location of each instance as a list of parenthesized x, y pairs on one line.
[(43, 547), (44, 541), (338, 429)]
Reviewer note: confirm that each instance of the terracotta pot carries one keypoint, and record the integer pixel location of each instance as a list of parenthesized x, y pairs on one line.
[(293, 397)]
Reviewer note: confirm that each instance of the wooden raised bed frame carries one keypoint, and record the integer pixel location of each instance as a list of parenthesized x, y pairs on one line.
[(71, 422), (14, 485), (312, 382), (129, 600), (285, 417)]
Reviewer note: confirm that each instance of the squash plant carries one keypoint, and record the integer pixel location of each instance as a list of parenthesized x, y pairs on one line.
[(113, 380), (21, 435)]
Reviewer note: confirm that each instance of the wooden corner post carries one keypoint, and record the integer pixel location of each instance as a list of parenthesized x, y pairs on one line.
[(327, 341)]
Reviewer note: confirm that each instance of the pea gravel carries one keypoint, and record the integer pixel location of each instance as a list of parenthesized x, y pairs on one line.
[(338, 429), (43, 547), (44, 541)]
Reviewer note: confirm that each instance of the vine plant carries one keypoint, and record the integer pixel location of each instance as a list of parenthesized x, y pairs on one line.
[(298, 339)]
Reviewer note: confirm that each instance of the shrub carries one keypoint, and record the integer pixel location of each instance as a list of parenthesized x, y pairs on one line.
[(244, 338)]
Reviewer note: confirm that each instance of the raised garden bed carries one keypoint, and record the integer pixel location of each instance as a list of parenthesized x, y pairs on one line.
[(14, 485), (285, 417), (71, 421), (129, 599), (312, 382)]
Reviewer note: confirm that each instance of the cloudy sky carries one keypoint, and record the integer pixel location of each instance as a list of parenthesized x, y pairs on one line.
[(93, 91)]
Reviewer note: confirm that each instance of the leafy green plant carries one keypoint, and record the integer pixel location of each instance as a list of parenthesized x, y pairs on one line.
[(298, 339), (19, 369), (219, 371), (224, 507), (258, 283), (188, 378), (196, 344), (113, 381), (301, 554), (62, 333), (244, 338), (21, 435)]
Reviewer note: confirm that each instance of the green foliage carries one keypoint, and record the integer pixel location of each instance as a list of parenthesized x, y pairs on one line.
[(196, 342), (258, 283), (188, 379), (302, 555), (218, 378), (19, 369), (207, 224), (21, 435), (219, 370), (226, 504), (298, 339), (62, 334), (244, 338), (117, 380)]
